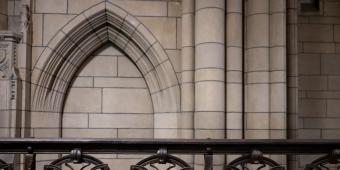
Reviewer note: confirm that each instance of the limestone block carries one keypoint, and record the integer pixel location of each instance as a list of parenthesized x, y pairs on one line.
[(234, 97), (209, 55), (333, 83), (337, 32), (257, 134), (3, 22), (75, 120), (83, 100), (51, 6), (83, 82), (309, 133), (333, 108), (257, 98), (187, 96), (257, 30), (309, 64), (109, 50), (257, 59), (337, 48), (52, 24), (234, 77), (175, 58), (4, 118), (77, 6), (205, 20), (234, 121), (332, 8), (174, 9), (277, 5), (307, 32), (258, 77), (257, 7), (278, 97), (163, 28), (206, 94), (143, 8), (89, 133), (324, 123), (257, 120), (187, 30), (178, 33), (330, 64), (234, 6), (167, 100), (135, 133), (201, 4), (330, 134), (165, 70), (126, 101), (278, 121), (234, 33), (100, 66), (45, 120), (46, 132), (319, 47), (166, 120), (234, 59), (210, 74), (312, 83), (37, 29), (278, 29), (126, 68), (209, 133), (315, 107), (120, 82), (278, 76), (209, 120), (121, 120)]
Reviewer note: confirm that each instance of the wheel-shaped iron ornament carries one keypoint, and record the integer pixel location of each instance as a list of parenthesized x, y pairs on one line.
[(333, 158), (161, 158), (255, 158), (77, 158)]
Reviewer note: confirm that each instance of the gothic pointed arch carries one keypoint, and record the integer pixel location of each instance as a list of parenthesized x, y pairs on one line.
[(104, 23)]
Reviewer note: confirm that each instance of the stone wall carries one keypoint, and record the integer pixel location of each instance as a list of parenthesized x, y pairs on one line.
[(3, 15), (318, 71)]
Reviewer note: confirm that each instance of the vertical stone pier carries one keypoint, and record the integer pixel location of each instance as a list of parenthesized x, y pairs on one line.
[(257, 83), (209, 73), (188, 69), (234, 69)]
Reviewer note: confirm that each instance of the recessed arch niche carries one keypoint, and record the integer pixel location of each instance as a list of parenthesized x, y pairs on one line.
[(105, 23)]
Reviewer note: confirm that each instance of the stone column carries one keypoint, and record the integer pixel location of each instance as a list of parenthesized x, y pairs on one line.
[(209, 73), (188, 68), (188, 72), (278, 85), (234, 69), (234, 72), (257, 123)]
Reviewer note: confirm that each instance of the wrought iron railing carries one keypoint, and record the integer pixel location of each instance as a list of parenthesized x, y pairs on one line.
[(252, 152)]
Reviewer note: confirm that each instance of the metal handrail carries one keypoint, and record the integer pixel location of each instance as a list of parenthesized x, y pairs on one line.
[(185, 146)]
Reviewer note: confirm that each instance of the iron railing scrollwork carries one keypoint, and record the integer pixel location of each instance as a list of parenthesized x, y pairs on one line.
[(255, 158), (5, 166), (76, 157), (333, 158), (161, 158)]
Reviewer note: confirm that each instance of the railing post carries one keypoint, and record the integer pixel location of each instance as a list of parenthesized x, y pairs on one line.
[(208, 159), (30, 159)]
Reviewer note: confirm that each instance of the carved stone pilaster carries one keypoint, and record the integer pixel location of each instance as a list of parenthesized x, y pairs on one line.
[(9, 81)]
